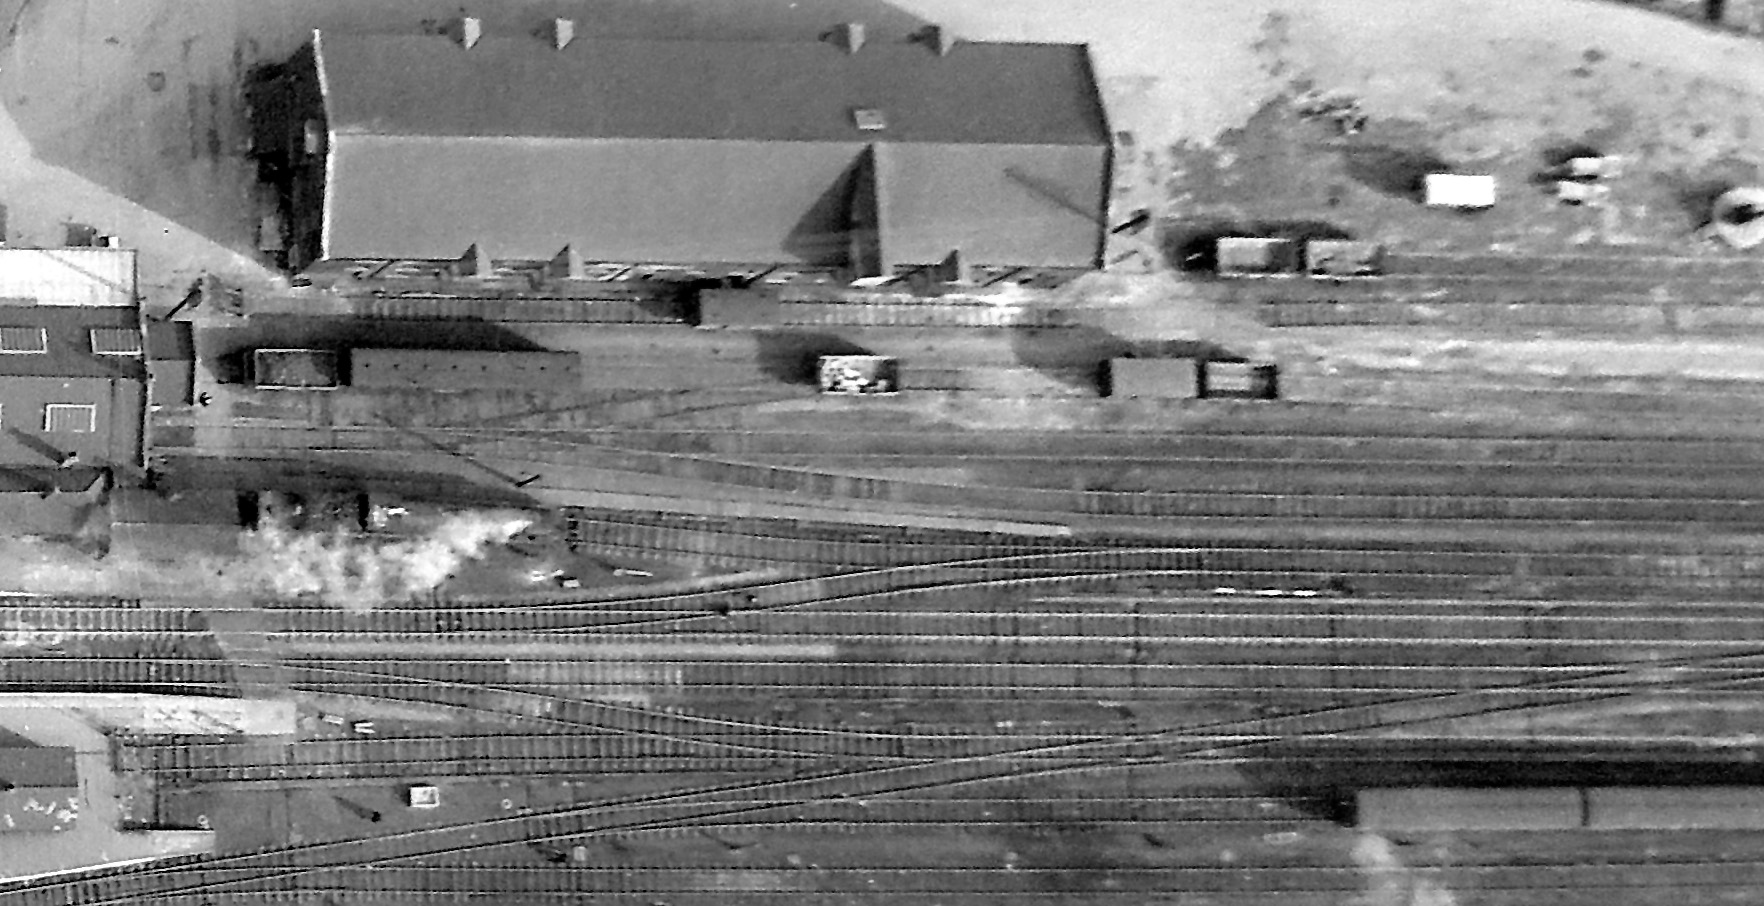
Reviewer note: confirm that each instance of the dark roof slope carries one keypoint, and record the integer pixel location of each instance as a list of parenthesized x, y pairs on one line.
[(69, 342), (797, 91), (617, 200), (38, 766), (170, 341)]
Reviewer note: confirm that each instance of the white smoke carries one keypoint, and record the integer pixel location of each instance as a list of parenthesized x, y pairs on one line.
[(348, 570), (1391, 883), (356, 572)]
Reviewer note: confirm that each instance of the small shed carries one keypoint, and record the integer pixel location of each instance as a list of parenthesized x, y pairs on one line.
[(171, 363), (1463, 191), (865, 375), (1155, 378), (752, 307), (1241, 256), (294, 369), (1239, 380)]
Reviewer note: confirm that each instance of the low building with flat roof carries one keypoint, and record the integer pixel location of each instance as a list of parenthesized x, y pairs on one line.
[(91, 277)]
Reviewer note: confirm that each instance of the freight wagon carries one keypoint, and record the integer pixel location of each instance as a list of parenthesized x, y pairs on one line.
[(1272, 257), (1191, 379), (412, 369), (1239, 380), (1428, 809), (866, 375), (1343, 258), (449, 369), (1243, 256), (1169, 379), (293, 369)]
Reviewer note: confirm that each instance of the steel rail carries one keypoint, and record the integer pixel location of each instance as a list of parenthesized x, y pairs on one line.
[(673, 808)]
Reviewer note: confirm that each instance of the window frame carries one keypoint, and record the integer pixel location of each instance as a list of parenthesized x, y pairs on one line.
[(49, 418), (92, 341), (42, 340)]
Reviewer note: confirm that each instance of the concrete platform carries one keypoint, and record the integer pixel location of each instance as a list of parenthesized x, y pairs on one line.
[(152, 713), (96, 838)]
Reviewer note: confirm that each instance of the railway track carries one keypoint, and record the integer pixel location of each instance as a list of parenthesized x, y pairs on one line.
[(1372, 568), (1285, 476), (1601, 895), (922, 313), (1639, 266), (1114, 619), (1126, 569), (1606, 316), (272, 869), (647, 307), (1197, 444), (177, 761), (885, 883), (1541, 510), (613, 307), (1275, 434), (145, 675)]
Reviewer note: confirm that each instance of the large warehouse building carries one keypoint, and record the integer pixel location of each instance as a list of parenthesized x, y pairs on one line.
[(868, 156)]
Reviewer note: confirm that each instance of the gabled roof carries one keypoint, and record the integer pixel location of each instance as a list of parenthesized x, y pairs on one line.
[(67, 330), (503, 87)]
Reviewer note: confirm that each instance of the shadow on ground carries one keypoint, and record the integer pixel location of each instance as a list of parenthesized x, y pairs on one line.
[(226, 354), (1395, 170), (1079, 356), (791, 356), (147, 100), (1191, 244), (1323, 784)]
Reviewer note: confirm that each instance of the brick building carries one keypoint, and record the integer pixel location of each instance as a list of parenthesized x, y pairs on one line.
[(72, 378)]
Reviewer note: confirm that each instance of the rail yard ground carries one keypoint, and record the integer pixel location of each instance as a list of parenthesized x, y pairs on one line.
[(1001, 638)]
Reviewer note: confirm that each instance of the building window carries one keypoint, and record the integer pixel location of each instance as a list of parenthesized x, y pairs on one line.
[(869, 119), (23, 340), (74, 418), (116, 341), (314, 138)]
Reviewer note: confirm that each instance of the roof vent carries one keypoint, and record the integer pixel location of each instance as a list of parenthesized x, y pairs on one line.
[(474, 263), (562, 32), (869, 119), (849, 36), (955, 269), (471, 28), (939, 39), (567, 265)]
